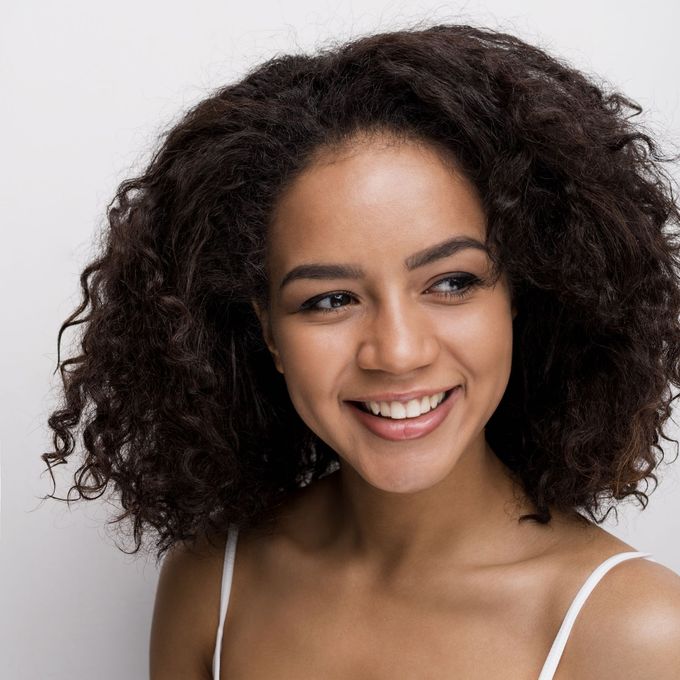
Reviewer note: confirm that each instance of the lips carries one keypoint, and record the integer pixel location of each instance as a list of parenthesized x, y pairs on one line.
[(401, 396), (406, 428)]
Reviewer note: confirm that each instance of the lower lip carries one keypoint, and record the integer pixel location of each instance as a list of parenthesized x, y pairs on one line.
[(406, 428)]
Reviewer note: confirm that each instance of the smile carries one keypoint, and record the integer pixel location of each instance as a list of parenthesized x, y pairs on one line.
[(397, 421), (398, 410)]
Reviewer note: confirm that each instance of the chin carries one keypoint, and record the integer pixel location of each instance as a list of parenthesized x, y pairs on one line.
[(400, 477)]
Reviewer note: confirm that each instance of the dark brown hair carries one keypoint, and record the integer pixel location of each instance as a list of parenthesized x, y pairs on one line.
[(180, 408)]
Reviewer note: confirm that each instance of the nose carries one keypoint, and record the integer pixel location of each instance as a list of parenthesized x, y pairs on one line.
[(397, 338)]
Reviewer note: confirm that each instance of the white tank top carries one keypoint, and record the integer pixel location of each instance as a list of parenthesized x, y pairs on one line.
[(554, 655)]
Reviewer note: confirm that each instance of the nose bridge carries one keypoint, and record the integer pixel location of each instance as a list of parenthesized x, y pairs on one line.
[(398, 337)]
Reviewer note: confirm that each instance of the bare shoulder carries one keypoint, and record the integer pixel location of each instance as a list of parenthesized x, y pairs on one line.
[(186, 611), (629, 627)]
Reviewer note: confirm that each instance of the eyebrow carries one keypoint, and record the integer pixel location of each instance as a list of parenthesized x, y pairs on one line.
[(422, 258)]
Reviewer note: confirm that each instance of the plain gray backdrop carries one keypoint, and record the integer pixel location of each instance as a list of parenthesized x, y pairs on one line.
[(86, 89)]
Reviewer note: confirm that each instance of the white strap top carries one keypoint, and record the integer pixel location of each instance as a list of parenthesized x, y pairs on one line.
[(555, 653), (554, 656), (227, 575)]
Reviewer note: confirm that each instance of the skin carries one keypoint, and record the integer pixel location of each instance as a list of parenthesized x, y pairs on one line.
[(409, 561), (396, 332)]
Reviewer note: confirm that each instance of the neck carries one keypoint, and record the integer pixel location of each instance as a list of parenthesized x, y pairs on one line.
[(471, 516)]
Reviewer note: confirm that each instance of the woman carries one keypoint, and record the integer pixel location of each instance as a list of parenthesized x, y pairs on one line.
[(376, 337)]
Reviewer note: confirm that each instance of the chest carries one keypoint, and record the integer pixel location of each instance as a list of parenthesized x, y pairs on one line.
[(332, 631)]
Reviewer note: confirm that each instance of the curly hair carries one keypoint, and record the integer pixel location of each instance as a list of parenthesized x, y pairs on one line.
[(181, 408)]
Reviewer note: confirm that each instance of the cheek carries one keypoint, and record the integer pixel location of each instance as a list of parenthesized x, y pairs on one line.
[(313, 358), (483, 344), (311, 350)]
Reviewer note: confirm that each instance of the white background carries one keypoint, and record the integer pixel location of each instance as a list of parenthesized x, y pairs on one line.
[(85, 89)]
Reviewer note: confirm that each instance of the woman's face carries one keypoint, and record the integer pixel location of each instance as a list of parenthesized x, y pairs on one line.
[(378, 283)]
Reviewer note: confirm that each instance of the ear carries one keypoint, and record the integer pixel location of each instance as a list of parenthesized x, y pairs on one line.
[(263, 317)]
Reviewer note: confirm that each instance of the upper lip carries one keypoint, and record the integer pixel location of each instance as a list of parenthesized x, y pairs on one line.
[(403, 396)]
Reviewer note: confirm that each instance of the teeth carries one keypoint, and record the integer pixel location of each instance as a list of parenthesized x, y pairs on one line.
[(410, 409), (397, 410)]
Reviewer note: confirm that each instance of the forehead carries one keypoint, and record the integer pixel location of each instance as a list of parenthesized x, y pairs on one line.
[(372, 200)]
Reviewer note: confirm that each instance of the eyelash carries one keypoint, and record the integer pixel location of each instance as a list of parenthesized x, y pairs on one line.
[(473, 282)]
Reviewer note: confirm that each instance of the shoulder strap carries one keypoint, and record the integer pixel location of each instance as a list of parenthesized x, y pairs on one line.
[(227, 575), (555, 654)]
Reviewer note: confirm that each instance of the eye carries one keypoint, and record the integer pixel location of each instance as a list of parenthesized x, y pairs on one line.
[(333, 302), (464, 284)]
